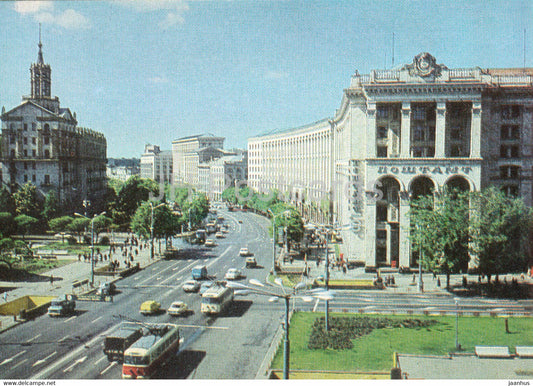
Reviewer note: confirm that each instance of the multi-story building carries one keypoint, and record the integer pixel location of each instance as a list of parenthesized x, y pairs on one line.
[(156, 164), (42, 144), (406, 132), (189, 152), (222, 173)]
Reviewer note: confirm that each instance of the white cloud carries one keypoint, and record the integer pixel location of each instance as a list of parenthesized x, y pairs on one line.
[(173, 10), (44, 12), (31, 7)]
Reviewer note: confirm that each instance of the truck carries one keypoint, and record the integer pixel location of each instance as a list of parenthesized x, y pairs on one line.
[(63, 305), (199, 272), (118, 342)]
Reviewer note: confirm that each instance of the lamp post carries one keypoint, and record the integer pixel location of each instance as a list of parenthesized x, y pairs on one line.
[(92, 241), (152, 227), (274, 236), (457, 346), (275, 297)]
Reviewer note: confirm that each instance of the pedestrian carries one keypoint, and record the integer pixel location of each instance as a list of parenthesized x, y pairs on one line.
[(51, 279)]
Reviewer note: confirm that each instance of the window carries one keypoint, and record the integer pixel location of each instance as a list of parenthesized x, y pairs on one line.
[(25, 127), (33, 178), (511, 171), (25, 166), (47, 179), (25, 178), (47, 153), (382, 152), (456, 134), (25, 153), (33, 153), (382, 132), (510, 190), (382, 112), (381, 213), (455, 151), (25, 140), (510, 112), (419, 113), (33, 126), (46, 140)]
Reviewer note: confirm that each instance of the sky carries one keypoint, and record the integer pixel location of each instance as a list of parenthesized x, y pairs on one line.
[(151, 71)]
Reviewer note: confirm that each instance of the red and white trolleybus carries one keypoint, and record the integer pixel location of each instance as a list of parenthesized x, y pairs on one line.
[(144, 356)]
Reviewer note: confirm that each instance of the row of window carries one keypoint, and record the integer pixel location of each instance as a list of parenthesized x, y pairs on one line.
[(33, 153)]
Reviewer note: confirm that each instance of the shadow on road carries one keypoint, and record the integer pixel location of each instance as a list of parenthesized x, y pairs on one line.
[(181, 366), (238, 308)]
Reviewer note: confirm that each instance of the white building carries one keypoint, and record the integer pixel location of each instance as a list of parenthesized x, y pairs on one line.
[(222, 173), (156, 164), (189, 152), (399, 134)]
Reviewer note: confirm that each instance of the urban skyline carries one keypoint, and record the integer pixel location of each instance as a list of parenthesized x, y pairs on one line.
[(162, 70)]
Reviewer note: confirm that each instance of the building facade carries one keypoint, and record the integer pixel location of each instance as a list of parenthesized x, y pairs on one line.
[(410, 131), (222, 173), (156, 164), (189, 152), (42, 144)]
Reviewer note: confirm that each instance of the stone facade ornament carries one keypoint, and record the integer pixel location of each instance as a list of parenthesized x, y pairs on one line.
[(425, 65)]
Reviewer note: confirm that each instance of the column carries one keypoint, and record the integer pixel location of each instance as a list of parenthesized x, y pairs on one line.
[(405, 131), (405, 224), (389, 242), (371, 130), (440, 130), (370, 231), (475, 130)]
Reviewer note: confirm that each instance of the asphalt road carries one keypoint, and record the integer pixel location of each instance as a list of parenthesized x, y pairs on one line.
[(230, 346)]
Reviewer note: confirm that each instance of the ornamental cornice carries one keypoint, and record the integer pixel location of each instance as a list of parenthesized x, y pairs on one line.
[(423, 88)]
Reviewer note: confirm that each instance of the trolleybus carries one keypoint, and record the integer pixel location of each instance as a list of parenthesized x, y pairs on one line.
[(144, 356), (216, 299)]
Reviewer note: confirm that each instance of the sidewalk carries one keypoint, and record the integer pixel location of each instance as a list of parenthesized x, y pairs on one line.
[(63, 278)]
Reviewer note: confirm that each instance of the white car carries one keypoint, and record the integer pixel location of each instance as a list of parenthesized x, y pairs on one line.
[(219, 235), (232, 274), (210, 243), (178, 308), (191, 286), (244, 251)]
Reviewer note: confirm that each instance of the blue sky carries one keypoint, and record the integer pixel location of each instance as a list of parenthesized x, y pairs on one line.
[(152, 71)]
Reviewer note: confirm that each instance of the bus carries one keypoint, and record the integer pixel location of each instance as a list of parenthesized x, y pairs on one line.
[(216, 299), (143, 357)]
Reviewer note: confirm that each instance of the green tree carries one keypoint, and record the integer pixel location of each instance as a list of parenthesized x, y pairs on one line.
[(8, 226), (500, 230), (439, 231), (166, 223), (134, 191), (27, 201), (50, 206), (100, 224), (26, 224), (78, 226), (60, 224), (195, 211), (7, 202)]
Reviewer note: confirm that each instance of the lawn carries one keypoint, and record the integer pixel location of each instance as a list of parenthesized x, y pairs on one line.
[(374, 352)]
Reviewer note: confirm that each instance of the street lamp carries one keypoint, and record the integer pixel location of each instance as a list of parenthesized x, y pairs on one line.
[(420, 255), (92, 241), (275, 297), (287, 212), (457, 345), (152, 228)]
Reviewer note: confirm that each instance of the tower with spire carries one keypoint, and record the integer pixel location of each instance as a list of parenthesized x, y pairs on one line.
[(41, 81)]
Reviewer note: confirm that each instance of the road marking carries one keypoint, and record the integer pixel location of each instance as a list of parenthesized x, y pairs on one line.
[(13, 357), (62, 339), (18, 364), (35, 337), (316, 305), (208, 327), (72, 317), (81, 360), (168, 292), (108, 367), (100, 360), (97, 319), (44, 359)]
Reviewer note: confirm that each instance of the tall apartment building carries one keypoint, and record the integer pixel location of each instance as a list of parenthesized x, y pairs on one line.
[(189, 152), (227, 171), (156, 164), (399, 134), (42, 144)]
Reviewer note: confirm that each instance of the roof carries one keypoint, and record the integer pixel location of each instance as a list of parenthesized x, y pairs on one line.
[(295, 129), (204, 135)]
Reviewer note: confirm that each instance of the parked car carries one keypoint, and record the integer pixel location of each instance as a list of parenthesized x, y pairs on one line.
[(178, 308), (106, 288), (191, 286), (232, 274), (150, 307)]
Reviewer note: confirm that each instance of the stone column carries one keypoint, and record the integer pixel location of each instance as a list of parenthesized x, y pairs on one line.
[(405, 131), (389, 242), (405, 224), (440, 130), (370, 230), (371, 130), (475, 130)]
